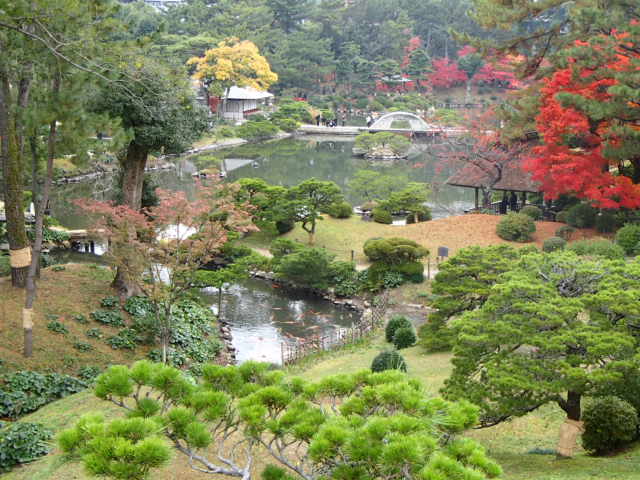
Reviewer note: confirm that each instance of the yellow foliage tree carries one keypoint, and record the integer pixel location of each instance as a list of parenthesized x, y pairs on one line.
[(233, 62)]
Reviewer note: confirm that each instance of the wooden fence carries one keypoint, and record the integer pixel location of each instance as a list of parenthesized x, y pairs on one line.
[(295, 350)]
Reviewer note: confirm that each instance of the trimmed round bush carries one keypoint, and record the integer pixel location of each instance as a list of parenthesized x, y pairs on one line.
[(284, 226), (609, 423), (380, 215), (628, 237), (597, 247), (516, 227), (340, 210), (582, 215), (411, 271), (404, 338), (397, 322), (562, 216), (553, 243), (532, 211), (606, 222), (565, 232), (389, 360), (286, 124)]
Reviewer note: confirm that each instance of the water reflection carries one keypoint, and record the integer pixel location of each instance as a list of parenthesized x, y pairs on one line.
[(262, 317)]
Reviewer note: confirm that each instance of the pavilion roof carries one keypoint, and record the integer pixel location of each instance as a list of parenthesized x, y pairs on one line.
[(514, 178)]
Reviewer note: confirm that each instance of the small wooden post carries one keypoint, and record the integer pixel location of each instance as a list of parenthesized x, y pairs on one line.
[(353, 255)]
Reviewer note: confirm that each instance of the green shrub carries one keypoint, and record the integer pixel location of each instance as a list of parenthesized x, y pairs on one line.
[(255, 131), (308, 266), (562, 216), (110, 302), (284, 226), (57, 327), (389, 360), (138, 306), (226, 132), (393, 250), (281, 247), (125, 339), (396, 322), (80, 318), (411, 271), (553, 243), (597, 247), (404, 338), (628, 237), (88, 373), (286, 124), (108, 317), (344, 278), (340, 210), (516, 227), (58, 268), (380, 215), (532, 211), (565, 232), (94, 333), (609, 423), (82, 346), (22, 443), (392, 279), (423, 216), (606, 222), (582, 215)]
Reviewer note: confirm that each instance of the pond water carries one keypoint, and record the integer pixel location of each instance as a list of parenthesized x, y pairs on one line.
[(263, 316)]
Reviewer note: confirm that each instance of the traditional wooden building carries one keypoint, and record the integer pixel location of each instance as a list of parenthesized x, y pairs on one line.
[(241, 103), (481, 175)]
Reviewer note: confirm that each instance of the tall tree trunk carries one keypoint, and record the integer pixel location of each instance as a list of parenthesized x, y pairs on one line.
[(572, 427), (133, 167), (40, 207), (20, 253)]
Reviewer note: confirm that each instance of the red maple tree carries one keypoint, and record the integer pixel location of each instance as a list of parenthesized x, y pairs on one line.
[(446, 74), (589, 124)]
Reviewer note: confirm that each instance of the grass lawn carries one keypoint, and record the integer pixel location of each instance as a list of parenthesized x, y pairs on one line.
[(76, 290), (341, 236), (508, 443)]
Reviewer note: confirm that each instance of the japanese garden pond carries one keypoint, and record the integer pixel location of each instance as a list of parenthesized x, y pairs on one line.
[(262, 316)]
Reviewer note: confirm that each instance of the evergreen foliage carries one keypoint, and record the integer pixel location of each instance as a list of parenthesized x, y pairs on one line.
[(596, 247), (396, 322), (516, 227), (384, 421), (388, 360), (531, 210), (404, 337), (609, 424), (554, 243), (582, 215), (22, 443), (628, 237), (381, 215)]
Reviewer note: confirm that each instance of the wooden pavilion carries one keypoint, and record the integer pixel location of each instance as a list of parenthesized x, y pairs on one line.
[(513, 179)]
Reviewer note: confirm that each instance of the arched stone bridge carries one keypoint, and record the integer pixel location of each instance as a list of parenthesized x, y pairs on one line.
[(385, 122)]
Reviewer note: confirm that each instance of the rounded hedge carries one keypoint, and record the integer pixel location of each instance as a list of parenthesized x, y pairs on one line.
[(628, 237), (516, 227), (340, 210), (380, 215), (404, 337), (606, 222), (561, 217), (389, 360), (411, 271), (396, 322), (553, 243), (609, 423), (532, 211), (582, 215), (565, 232), (284, 226)]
